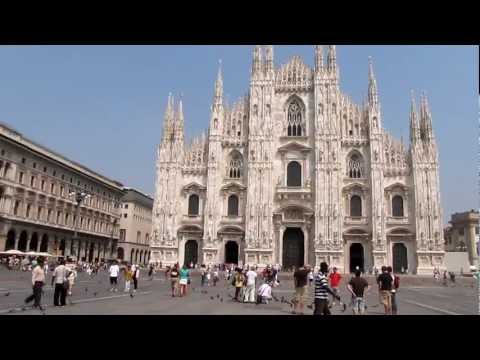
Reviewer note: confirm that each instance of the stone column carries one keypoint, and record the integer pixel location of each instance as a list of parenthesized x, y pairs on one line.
[(472, 249), (99, 244), (305, 246), (17, 239)]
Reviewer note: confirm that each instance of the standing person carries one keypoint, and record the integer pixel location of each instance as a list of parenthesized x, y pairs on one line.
[(128, 278), (395, 286), (249, 296), (358, 287), (375, 270), (71, 280), (174, 279), (203, 275), (385, 282), (59, 278), (335, 279), (238, 280), (38, 280), (150, 272), (445, 278), (208, 275), (264, 293), (135, 277), (184, 276), (300, 279), (215, 277), (114, 270), (310, 277), (45, 268), (322, 289)]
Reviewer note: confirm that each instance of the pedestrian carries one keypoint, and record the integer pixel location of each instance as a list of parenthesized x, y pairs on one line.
[(300, 279), (114, 270), (375, 270), (184, 274), (452, 277), (238, 281), (135, 277), (45, 268), (249, 296), (174, 279), (208, 275), (60, 281), (264, 294), (395, 286), (335, 279), (128, 278), (310, 277), (445, 278), (384, 282), (150, 272), (38, 280), (203, 276), (322, 289), (71, 280), (358, 287)]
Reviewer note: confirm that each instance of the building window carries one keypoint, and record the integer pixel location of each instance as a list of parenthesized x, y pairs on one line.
[(139, 235), (147, 238), (461, 231), (294, 116), (397, 206), (44, 169), (61, 190), (20, 178), (54, 173), (125, 216), (15, 208), (354, 167), (23, 160), (122, 234), (355, 206), (193, 205), (477, 230), (27, 214), (294, 174), (52, 188), (32, 181), (49, 215), (126, 206), (39, 213), (235, 165), (43, 185), (233, 205), (66, 219)]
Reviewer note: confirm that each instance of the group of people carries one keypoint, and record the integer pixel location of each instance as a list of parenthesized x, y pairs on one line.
[(245, 280), (179, 279)]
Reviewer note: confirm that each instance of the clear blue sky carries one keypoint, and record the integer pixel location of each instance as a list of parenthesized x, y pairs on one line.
[(103, 106)]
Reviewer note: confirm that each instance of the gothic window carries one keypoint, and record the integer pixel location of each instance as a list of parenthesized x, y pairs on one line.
[(233, 205), (239, 128), (294, 117), (355, 206), (215, 123), (397, 206), (294, 174), (193, 205), (354, 167), (234, 170)]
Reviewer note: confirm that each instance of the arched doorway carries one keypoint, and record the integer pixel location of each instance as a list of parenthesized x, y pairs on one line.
[(132, 253), (141, 257), (191, 252), (62, 247), (22, 243), (136, 256), (400, 259), (357, 257), (33, 242), (44, 243), (120, 253), (293, 248), (10, 244), (231, 252), (91, 251)]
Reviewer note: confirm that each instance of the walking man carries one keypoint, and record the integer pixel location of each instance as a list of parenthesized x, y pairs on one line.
[(300, 278), (114, 270), (358, 287), (38, 280), (250, 289), (238, 280), (59, 278), (335, 279), (135, 277), (395, 286), (384, 282), (322, 290)]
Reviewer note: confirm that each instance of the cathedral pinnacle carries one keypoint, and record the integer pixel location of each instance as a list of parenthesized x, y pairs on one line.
[(318, 57), (372, 85), (257, 59), (269, 58), (414, 127), (332, 58), (219, 82)]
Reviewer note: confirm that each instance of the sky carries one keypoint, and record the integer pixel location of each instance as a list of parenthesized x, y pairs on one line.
[(103, 106)]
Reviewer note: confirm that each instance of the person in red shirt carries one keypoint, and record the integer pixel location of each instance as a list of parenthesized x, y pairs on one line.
[(335, 279)]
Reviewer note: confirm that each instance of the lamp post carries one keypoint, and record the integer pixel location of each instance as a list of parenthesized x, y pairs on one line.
[(79, 198)]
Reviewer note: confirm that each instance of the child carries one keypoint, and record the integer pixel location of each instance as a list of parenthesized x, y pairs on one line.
[(264, 293), (128, 278)]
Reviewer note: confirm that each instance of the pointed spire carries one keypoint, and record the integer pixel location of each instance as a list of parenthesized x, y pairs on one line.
[(414, 126), (269, 58), (318, 58), (168, 118), (257, 60), (180, 118), (332, 58), (426, 118), (372, 84), (219, 83)]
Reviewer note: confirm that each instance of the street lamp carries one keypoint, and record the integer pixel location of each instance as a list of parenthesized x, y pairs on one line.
[(79, 198)]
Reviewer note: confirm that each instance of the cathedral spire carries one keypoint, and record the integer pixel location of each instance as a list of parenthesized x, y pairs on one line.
[(332, 58), (168, 119), (372, 85), (414, 126), (257, 60), (219, 83), (269, 58), (318, 58), (179, 120), (426, 118)]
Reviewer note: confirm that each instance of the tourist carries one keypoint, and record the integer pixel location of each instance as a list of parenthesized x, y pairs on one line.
[(358, 287), (38, 280), (114, 270), (45, 268), (335, 279), (452, 277), (249, 296), (128, 278), (445, 278), (71, 280), (203, 275), (395, 286), (322, 290), (150, 272), (59, 278), (310, 277), (264, 294), (238, 281), (300, 278), (174, 279), (375, 271), (208, 275), (215, 277), (135, 277), (184, 274), (384, 282)]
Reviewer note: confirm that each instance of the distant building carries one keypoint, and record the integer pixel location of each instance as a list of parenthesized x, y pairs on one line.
[(135, 227), (462, 234), (38, 208)]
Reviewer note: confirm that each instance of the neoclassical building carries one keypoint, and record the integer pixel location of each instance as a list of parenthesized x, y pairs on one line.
[(297, 173)]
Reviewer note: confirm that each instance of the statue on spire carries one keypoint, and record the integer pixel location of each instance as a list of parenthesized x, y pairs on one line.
[(318, 57), (372, 85)]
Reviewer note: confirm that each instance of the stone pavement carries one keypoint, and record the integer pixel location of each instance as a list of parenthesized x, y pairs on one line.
[(92, 297)]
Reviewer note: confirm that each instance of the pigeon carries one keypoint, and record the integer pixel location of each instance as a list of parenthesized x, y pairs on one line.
[(218, 296), (211, 297), (7, 294), (86, 289), (221, 299), (283, 299), (131, 295), (95, 294)]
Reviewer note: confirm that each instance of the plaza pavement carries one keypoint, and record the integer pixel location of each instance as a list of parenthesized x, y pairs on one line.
[(91, 296)]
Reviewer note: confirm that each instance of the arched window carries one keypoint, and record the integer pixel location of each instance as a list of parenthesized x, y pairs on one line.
[(355, 167), (235, 166), (397, 206), (193, 205), (355, 206), (294, 174), (233, 205), (139, 235), (294, 117)]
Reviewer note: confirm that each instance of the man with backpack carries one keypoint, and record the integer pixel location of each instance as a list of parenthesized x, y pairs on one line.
[(395, 286)]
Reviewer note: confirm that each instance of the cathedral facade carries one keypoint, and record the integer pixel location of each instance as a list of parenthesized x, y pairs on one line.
[(296, 173)]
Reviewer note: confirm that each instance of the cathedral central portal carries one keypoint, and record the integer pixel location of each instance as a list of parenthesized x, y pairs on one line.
[(293, 248)]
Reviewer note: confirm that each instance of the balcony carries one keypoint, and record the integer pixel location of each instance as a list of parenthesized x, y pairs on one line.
[(397, 220), (356, 220), (293, 193), (192, 219), (233, 220)]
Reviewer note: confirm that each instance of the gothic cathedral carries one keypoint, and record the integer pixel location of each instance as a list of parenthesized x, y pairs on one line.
[(296, 173)]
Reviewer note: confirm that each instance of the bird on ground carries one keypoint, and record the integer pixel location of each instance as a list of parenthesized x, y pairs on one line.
[(218, 296), (221, 299), (211, 297), (95, 294), (86, 289), (7, 294), (131, 295)]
